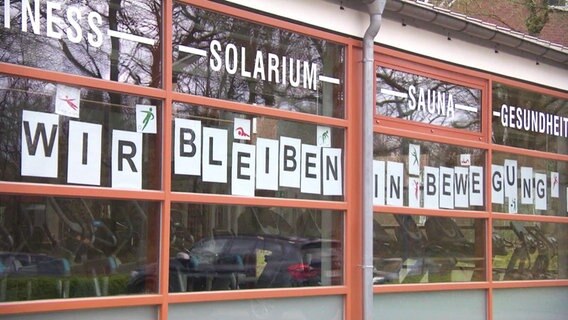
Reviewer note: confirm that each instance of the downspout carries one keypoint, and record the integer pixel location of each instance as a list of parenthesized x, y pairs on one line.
[(375, 9)]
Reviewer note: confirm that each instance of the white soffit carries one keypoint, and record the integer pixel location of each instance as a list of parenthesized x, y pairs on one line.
[(518, 53)]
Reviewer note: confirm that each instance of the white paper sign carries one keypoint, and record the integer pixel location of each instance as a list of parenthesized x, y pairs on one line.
[(241, 129), (511, 175), (461, 187), (332, 171), (67, 101), (414, 192), (323, 136), (476, 184), (146, 118), (512, 204), (527, 190), (187, 147), (40, 144), (215, 145), (379, 183), (126, 159), (446, 188), (431, 184), (290, 157), (497, 184), (554, 184), (540, 191), (84, 153), (243, 169), (310, 169), (267, 164), (414, 159), (395, 184), (465, 160)]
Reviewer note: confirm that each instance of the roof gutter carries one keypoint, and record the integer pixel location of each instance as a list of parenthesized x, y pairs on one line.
[(375, 9), (498, 36)]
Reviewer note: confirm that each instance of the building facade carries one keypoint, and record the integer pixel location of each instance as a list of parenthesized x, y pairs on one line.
[(203, 159)]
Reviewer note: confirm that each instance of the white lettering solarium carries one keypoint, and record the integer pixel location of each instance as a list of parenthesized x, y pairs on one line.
[(267, 66), (198, 151)]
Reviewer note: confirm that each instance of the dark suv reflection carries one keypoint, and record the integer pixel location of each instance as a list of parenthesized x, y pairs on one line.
[(245, 262)]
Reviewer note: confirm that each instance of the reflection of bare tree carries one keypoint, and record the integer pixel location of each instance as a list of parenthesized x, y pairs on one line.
[(115, 59), (197, 28), (504, 95), (394, 106)]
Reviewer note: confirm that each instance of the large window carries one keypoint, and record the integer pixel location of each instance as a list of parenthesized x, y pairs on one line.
[(420, 249), (59, 134), (96, 175), (224, 152), (422, 174), (527, 185), (427, 100), (53, 247), (529, 120), (112, 40), (227, 58), (529, 250)]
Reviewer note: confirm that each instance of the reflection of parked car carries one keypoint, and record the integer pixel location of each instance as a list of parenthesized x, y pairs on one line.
[(233, 262)]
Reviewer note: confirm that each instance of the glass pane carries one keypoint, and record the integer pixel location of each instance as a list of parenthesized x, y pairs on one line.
[(232, 247), (50, 133), (322, 307), (419, 249), (417, 98), (112, 40), (454, 304), (64, 248), (224, 152), (529, 250), (530, 303), (528, 185), (227, 58), (423, 174), (138, 312), (529, 120)]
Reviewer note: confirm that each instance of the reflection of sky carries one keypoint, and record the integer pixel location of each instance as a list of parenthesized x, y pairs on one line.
[(196, 28), (134, 65), (397, 106)]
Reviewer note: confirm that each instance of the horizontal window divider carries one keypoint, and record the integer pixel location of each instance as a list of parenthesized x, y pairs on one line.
[(256, 201), (45, 306), (427, 287), (529, 284), (530, 153), (431, 212), (411, 130), (73, 191), (529, 218), (81, 81), (257, 109), (276, 293)]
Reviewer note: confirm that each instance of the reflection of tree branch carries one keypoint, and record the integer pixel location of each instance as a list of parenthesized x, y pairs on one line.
[(78, 64)]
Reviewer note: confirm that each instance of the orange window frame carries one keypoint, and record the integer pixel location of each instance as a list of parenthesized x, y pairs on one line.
[(163, 298), (387, 57)]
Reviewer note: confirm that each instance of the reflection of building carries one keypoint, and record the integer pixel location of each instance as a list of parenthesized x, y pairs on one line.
[(246, 202)]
